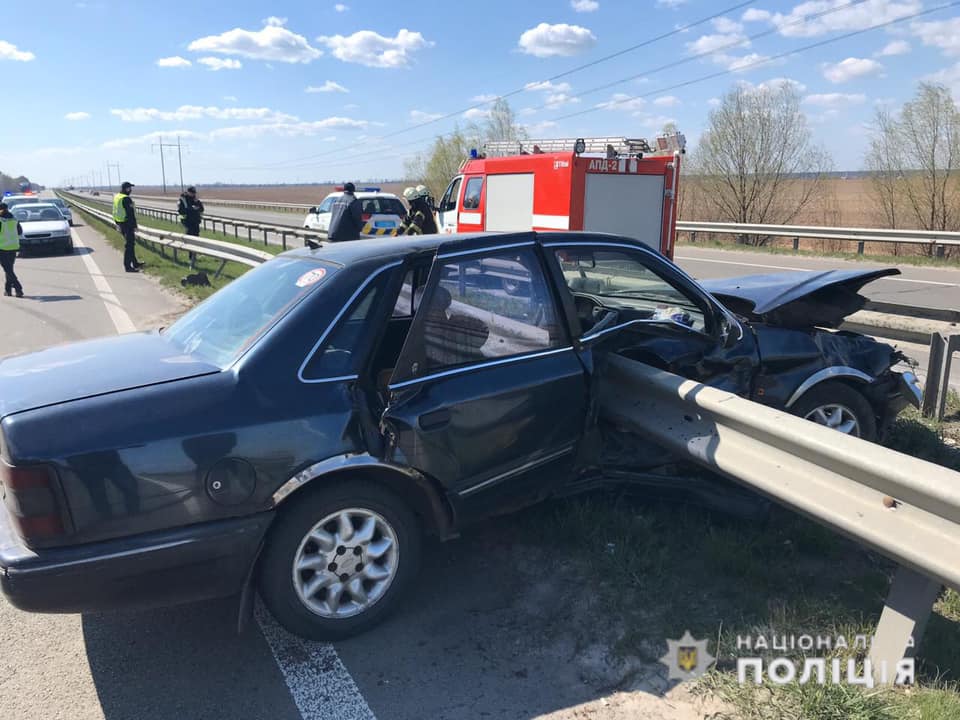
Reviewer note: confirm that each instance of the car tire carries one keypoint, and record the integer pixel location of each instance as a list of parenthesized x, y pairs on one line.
[(835, 404), (68, 247), (319, 513)]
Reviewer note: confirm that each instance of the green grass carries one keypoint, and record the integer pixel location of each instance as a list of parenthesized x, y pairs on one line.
[(918, 260), (165, 268)]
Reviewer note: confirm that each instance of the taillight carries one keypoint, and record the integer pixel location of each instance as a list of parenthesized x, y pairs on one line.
[(29, 493), (366, 216)]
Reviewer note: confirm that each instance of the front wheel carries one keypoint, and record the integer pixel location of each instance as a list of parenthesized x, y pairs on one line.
[(339, 560), (838, 407)]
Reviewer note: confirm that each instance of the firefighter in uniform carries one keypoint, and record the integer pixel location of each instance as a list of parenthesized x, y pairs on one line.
[(10, 232), (419, 220), (125, 216)]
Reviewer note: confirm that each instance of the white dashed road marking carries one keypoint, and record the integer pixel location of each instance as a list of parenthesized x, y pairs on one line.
[(121, 321), (796, 269), (319, 682)]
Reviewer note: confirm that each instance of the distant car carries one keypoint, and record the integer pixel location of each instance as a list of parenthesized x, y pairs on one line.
[(44, 227), (382, 210), (300, 430), (64, 208)]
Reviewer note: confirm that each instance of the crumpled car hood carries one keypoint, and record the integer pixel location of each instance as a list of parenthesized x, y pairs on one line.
[(796, 299)]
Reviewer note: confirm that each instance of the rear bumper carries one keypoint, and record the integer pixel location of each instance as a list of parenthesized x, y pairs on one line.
[(198, 562)]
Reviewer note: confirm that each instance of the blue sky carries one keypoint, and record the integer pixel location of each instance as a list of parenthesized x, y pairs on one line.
[(307, 91)]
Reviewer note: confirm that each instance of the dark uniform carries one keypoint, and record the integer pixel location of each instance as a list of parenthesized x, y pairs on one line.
[(346, 216), (419, 220), (125, 216), (190, 210)]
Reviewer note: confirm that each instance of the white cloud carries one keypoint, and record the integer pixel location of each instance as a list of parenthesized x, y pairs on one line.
[(713, 102), (855, 17), (12, 52), (743, 63), (584, 6), (527, 111), (949, 76), (546, 40), (670, 3), (341, 8), (717, 41), (77, 116), (197, 112), (328, 86), (623, 102), (726, 25), (850, 69), (835, 100), (547, 86), (274, 21), (374, 50), (897, 47), (476, 114), (351, 106), (174, 62), (272, 42), (230, 98), (667, 101), (145, 140), (215, 64), (941, 34), (285, 129), (774, 84), (419, 116), (755, 15), (484, 98), (540, 127)]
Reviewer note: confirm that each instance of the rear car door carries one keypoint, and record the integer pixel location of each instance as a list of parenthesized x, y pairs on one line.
[(488, 395)]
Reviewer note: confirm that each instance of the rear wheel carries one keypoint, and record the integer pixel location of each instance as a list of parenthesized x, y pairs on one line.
[(339, 561), (838, 407)]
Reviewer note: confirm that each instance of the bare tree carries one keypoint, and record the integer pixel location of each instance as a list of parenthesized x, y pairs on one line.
[(914, 159), (756, 162), (437, 166)]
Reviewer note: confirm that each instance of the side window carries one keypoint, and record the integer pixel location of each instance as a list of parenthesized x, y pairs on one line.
[(620, 278), (326, 205), (481, 308), (404, 306), (471, 196), (340, 353), (449, 200)]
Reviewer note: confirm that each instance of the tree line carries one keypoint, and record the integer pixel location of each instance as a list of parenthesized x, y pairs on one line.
[(759, 162)]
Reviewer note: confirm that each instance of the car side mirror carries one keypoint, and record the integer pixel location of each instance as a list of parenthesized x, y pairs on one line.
[(313, 211), (729, 331)]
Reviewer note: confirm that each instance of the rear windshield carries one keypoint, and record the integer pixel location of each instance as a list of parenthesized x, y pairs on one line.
[(221, 328), (383, 206), (36, 213)]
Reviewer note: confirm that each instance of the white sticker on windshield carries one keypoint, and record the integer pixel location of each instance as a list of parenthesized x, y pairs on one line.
[(311, 278)]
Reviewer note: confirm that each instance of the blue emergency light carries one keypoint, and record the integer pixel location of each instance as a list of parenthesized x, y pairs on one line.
[(474, 154), (370, 189)]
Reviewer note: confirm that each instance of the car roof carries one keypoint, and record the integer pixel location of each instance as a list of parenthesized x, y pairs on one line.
[(391, 249)]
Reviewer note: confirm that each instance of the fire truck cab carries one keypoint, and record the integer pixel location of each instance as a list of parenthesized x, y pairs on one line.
[(615, 185)]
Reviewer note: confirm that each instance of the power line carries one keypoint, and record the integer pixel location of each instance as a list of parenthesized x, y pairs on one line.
[(517, 91), (761, 61)]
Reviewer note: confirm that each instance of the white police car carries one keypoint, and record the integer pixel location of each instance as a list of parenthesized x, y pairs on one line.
[(382, 210)]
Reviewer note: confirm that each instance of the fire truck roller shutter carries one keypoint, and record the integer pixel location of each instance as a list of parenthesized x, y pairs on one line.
[(630, 205), (510, 202)]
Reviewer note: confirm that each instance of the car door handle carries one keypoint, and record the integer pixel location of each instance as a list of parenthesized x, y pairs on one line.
[(435, 420)]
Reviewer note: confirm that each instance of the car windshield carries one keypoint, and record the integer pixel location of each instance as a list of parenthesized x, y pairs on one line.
[(36, 213), (222, 327)]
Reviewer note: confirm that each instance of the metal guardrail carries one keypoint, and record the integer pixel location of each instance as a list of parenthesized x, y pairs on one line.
[(223, 251), (210, 222), (905, 508), (253, 204), (934, 239), (937, 388)]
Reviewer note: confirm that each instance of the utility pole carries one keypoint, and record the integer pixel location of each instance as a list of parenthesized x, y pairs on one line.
[(117, 166), (161, 144)]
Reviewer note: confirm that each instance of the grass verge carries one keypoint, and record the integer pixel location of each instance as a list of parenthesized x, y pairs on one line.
[(165, 268), (918, 260)]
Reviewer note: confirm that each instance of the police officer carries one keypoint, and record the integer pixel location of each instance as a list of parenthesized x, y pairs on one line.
[(190, 210), (346, 216), (10, 232), (419, 220), (125, 216)]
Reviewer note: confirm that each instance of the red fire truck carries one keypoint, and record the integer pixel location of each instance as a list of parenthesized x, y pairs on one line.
[(616, 185)]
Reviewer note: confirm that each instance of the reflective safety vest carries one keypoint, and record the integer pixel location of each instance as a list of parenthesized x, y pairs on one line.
[(9, 237), (119, 211)]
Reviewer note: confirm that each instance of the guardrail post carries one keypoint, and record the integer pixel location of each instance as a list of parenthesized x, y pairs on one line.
[(249, 234), (941, 250), (283, 240), (175, 258), (265, 233), (223, 264), (931, 388), (860, 246), (902, 622), (796, 244), (693, 237)]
